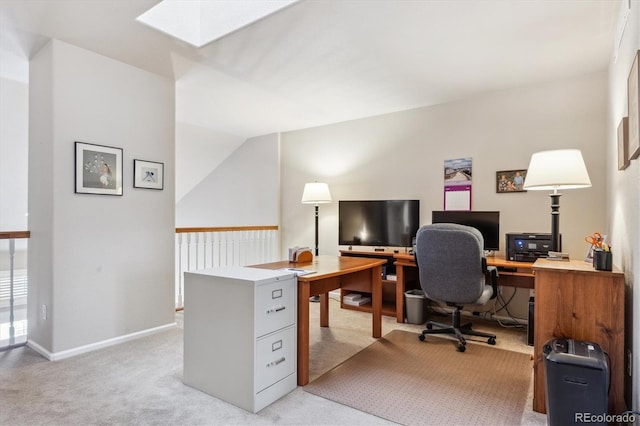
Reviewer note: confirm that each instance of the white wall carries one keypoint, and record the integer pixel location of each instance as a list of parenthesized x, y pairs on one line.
[(199, 150), (242, 191), (401, 155), (14, 126), (623, 200), (103, 265), (14, 134)]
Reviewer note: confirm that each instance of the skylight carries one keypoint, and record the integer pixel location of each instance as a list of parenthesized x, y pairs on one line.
[(199, 22)]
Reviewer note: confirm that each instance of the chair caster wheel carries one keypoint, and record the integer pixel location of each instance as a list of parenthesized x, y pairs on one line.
[(421, 337), (492, 341), (429, 326), (461, 347)]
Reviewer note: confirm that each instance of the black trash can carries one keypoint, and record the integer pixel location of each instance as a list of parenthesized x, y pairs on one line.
[(577, 380)]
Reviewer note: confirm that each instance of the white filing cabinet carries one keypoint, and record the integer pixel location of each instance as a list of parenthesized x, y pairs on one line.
[(240, 334)]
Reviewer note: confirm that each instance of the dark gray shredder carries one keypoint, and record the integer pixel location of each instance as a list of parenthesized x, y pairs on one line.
[(577, 380)]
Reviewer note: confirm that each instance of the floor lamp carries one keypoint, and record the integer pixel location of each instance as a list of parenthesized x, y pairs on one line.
[(316, 193), (554, 170)]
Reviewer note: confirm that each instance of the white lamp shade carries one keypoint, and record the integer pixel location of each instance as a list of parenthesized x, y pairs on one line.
[(316, 193), (557, 169)]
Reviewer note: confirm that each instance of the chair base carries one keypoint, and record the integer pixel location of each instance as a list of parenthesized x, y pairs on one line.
[(456, 329)]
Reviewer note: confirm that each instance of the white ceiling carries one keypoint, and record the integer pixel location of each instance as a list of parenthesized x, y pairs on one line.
[(323, 61)]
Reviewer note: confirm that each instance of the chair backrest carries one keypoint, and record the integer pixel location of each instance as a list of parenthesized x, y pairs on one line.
[(449, 258)]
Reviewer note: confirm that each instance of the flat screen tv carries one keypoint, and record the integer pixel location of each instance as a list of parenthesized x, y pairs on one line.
[(488, 223), (378, 222)]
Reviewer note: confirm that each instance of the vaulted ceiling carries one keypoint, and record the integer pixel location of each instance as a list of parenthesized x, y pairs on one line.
[(323, 61)]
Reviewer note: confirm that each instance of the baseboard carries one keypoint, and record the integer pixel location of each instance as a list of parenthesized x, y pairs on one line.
[(56, 356)]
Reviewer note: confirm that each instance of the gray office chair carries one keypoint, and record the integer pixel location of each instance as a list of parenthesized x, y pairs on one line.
[(453, 270)]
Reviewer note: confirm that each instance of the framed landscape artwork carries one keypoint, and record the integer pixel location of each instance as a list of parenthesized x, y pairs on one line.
[(148, 174), (98, 169), (510, 181)]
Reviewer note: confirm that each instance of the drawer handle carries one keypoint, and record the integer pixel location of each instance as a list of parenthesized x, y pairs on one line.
[(274, 310), (276, 362)]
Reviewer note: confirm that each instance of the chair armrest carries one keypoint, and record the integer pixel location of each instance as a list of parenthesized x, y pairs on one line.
[(493, 271)]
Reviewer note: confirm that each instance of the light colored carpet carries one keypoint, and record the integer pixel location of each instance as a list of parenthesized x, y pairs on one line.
[(140, 382), (407, 381)]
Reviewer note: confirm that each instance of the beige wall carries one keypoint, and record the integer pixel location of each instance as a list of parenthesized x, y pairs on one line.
[(401, 155), (623, 202)]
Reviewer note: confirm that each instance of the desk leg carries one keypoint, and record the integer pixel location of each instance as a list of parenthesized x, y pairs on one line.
[(399, 294), (324, 310), (376, 302), (303, 333)]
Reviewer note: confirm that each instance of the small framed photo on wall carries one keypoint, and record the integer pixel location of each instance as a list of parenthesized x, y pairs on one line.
[(633, 108), (623, 144), (148, 174), (98, 169), (510, 181)]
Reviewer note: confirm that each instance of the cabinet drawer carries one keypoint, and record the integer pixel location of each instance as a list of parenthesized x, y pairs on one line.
[(275, 357), (275, 306)]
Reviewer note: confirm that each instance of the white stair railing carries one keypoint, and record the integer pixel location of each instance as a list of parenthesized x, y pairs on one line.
[(13, 290), (201, 248)]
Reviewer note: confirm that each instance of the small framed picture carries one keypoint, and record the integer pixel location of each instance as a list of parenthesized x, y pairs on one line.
[(148, 174), (633, 108), (623, 144), (510, 181), (98, 169)]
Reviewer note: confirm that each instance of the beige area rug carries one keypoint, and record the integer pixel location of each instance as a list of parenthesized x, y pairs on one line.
[(410, 382)]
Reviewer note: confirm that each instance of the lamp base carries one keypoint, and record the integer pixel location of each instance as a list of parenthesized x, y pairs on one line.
[(555, 222)]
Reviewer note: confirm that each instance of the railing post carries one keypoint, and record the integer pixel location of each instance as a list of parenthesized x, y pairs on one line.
[(197, 243), (204, 248), (12, 329), (180, 301)]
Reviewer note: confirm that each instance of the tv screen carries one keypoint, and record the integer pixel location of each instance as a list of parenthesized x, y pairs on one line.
[(378, 222), (488, 223)]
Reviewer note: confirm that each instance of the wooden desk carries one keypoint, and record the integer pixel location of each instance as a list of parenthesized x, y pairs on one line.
[(332, 272), (511, 274), (575, 301)]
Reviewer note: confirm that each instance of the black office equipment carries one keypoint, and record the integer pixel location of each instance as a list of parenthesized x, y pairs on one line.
[(378, 222), (577, 381), (528, 246), (487, 222)]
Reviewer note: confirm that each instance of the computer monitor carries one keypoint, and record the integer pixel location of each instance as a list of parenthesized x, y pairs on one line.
[(378, 222), (487, 222)]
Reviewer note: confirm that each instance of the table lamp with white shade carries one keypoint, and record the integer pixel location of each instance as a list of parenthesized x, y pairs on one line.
[(556, 170)]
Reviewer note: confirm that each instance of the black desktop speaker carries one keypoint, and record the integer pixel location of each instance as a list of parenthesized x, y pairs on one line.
[(530, 322)]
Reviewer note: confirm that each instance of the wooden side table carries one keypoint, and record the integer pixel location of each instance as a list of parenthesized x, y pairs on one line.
[(575, 301)]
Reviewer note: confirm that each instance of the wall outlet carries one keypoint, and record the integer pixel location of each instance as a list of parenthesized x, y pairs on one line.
[(44, 312), (532, 292)]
